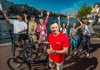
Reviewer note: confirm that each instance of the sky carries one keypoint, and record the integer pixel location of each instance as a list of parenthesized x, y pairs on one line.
[(62, 6)]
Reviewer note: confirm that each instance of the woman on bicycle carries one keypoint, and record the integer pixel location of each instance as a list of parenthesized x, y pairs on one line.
[(74, 35), (63, 26), (41, 28)]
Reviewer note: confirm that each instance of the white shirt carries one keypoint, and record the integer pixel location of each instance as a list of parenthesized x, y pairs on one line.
[(64, 31), (87, 30), (18, 25)]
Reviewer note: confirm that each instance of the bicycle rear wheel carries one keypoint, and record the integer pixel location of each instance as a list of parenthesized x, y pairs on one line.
[(13, 64), (79, 51), (34, 56)]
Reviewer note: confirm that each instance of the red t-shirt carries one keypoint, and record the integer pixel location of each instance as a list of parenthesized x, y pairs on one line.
[(57, 43)]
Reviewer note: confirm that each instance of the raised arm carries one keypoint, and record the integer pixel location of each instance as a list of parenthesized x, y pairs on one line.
[(46, 20), (25, 16), (59, 21), (81, 24), (95, 20), (5, 15)]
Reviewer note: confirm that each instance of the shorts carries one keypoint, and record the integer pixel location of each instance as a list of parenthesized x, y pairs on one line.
[(33, 38), (22, 37), (74, 41), (52, 64)]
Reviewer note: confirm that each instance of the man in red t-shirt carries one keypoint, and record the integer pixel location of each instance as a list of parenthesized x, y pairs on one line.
[(58, 47)]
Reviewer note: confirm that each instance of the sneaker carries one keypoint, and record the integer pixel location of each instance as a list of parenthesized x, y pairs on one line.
[(75, 53), (87, 54)]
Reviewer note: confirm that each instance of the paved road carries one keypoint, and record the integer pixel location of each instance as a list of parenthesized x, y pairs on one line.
[(84, 63)]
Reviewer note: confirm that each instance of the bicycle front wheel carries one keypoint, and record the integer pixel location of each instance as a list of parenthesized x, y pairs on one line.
[(79, 51), (13, 64)]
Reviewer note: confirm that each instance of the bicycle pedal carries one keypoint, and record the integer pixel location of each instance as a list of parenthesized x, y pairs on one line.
[(18, 66), (30, 60)]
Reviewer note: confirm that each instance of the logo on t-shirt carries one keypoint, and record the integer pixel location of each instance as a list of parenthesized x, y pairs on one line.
[(57, 42)]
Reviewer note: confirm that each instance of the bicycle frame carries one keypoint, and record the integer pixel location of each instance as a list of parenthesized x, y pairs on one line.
[(25, 56), (13, 43), (26, 53), (81, 46)]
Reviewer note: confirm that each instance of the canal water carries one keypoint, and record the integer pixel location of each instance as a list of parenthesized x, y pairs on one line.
[(6, 26)]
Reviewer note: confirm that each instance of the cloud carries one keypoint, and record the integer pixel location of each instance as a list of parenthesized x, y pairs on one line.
[(75, 7), (69, 10)]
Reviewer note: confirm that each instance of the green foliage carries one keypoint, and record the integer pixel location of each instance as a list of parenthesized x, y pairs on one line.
[(24, 10), (10, 9), (84, 11), (18, 8)]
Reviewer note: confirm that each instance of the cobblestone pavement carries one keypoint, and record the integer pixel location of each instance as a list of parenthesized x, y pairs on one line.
[(84, 63)]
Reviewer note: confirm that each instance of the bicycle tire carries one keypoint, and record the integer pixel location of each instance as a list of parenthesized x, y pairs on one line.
[(13, 63), (79, 51), (34, 56), (80, 48)]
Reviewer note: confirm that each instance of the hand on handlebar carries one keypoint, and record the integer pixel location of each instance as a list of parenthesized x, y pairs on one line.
[(84, 33)]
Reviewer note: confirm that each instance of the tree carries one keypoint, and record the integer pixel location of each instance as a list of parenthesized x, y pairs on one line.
[(84, 11), (13, 9), (10, 9), (24, 10)]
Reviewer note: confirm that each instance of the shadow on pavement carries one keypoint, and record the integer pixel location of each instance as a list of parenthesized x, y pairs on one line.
[(81, 64), (94, 47)]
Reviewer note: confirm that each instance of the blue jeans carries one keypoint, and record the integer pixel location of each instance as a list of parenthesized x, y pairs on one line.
[(87, 44), (74, 42)]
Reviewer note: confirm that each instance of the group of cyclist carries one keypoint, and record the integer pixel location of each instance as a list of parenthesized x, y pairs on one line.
[(58, 30)]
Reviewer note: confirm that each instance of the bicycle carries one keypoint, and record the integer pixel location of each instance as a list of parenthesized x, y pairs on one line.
[(42, 55), (13, 43), (20, 60), (81, 46)]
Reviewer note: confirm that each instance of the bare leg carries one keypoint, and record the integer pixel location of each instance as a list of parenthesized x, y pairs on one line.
[(19, 44), (24, 41), (19, 47), (53, 68)]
